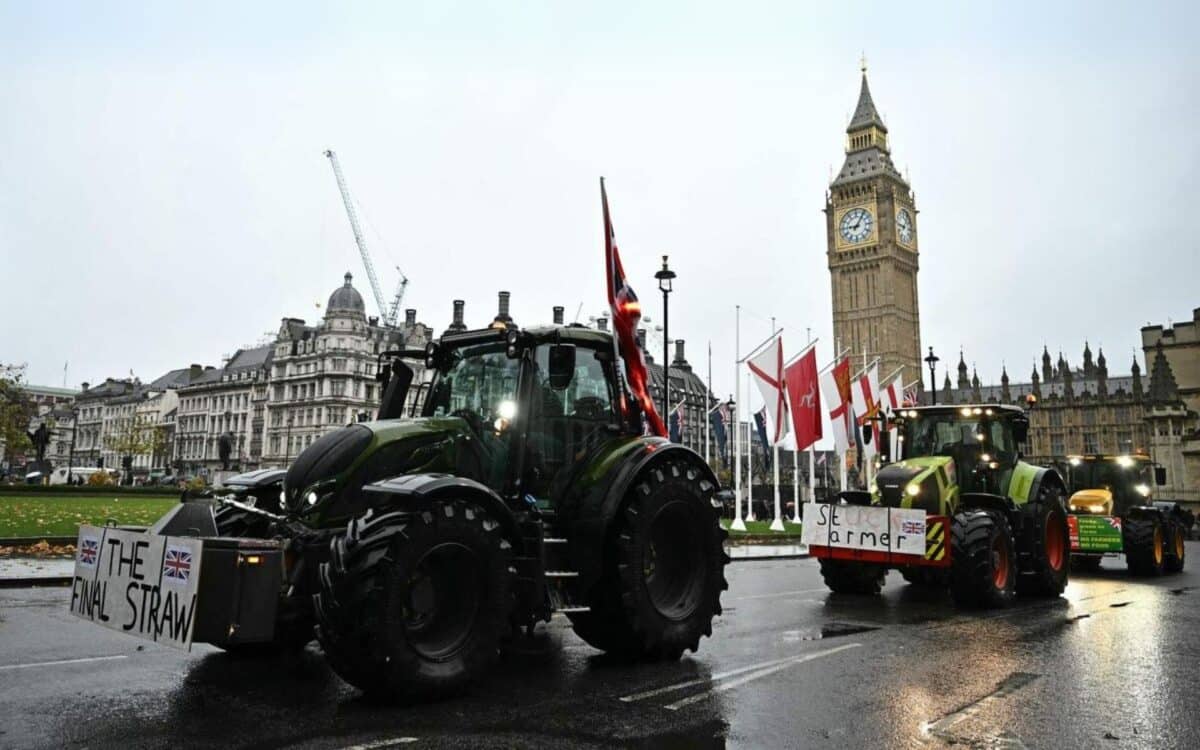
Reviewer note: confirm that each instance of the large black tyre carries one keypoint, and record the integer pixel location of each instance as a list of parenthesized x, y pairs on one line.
[(984, 571), (1176, 552), (1145, 546), (413, 605), (1045, 546), (847, 577), (664, 568)]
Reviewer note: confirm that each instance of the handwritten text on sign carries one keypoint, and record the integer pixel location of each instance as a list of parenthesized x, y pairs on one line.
[(137, 583), (897, 530)]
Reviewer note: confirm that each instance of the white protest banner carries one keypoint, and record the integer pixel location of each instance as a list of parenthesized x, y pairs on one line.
[(867, 527), (136, 583)]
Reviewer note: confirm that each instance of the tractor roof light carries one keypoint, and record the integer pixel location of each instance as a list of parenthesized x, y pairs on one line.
[(1125, 462), (913, 489), (1075, 460), (1143, 490), (966, 412), (977, 411)]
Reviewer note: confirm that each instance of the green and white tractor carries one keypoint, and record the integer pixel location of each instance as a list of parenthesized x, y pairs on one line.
[(958, 508)]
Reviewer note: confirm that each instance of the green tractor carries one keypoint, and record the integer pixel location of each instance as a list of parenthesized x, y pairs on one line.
[(416, 547), (1113, 511), (959, 508)]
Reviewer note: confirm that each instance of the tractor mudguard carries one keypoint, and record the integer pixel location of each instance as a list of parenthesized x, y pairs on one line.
[(1028, 480), (855, 497), (415, 489), (1147, 511), (988, 501), (599, 495)]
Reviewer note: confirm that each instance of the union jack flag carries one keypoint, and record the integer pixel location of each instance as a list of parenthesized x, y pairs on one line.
[(913, 527), (89, 550), (1114, 522), (177, 565)]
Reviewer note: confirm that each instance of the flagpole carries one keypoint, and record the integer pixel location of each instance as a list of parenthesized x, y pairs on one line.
[(812, 455), (707, 405), (738, 524), (749, 455)]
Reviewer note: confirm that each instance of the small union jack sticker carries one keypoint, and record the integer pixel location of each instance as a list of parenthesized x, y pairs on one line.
[(913, 527), (177, 565), (89, 550), (1115, 522)]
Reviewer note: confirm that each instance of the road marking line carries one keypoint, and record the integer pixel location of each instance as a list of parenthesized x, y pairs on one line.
[(702, 680), (374, 745), (781, 593), (63, 661), (1010, 685), (756, 675)]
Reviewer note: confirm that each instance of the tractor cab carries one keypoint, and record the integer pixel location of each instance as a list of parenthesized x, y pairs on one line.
[(981, 442), (1110, 485)]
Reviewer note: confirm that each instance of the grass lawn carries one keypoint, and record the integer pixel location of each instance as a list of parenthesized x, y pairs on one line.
[(763, 527), (50, 515)]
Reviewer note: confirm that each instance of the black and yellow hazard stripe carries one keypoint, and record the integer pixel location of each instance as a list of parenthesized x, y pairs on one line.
[(935, 540)]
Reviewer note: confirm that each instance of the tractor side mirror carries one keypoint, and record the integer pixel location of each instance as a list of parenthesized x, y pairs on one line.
[(562, 365), (1020, 426), (1160, 475)]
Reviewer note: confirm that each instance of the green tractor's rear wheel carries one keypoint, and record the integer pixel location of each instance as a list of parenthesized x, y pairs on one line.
[(413, 605), (1145, 546), (847, 577), (665, 569), (984, 570), (1176, 550), (1045, 546)]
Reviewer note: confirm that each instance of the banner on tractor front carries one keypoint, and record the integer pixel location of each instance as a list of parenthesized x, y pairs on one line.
[(900, 531), (137, 583), (1095, 533)]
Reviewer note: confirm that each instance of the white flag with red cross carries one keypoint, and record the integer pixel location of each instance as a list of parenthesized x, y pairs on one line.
[(767, 368), (835, 387)]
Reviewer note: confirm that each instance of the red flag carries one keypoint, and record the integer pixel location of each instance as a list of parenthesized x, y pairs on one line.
[(626, 314), (805, 398)]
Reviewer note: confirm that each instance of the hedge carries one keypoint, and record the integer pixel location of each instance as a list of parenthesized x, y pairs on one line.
[(74, 490)]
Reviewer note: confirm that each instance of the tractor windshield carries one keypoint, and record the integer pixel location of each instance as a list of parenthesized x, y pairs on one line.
[(1121, 476), (478, 383), (972, 440)]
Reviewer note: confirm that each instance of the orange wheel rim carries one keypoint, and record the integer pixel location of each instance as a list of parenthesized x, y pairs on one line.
[(1178, 544), (999, 563), (1055, 550), (1158, 545)]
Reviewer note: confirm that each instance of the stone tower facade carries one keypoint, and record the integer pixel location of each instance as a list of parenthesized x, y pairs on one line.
[(871, 231)]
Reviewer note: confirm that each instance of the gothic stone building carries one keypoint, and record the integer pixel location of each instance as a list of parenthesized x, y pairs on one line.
[(871, 230)]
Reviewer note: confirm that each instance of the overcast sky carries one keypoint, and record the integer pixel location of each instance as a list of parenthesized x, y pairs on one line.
[(164, 199)]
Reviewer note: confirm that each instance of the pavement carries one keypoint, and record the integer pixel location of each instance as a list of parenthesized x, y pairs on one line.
[(1110, 664)]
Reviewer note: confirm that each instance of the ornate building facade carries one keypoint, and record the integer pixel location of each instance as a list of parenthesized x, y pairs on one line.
[(872, 248)]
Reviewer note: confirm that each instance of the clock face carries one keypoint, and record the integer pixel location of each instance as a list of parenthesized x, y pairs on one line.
[(857, 224), (904, 226)]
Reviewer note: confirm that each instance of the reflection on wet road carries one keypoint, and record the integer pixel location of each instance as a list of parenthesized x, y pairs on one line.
[(790, 665)]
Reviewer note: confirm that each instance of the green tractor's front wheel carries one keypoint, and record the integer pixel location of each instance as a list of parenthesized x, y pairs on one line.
[(413, 604), (664, 570), (1045, 546), (984, 568)]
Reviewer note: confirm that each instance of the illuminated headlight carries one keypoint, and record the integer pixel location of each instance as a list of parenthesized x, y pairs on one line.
[(1143, 490), (1075, 460), (913, 489), (311, 498), (1125, 462), (507, 409), (965, 412), (986, 458), (977, 410), (282, 498)]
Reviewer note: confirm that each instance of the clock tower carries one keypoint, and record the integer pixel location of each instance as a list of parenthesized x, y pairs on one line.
[(871, 230)]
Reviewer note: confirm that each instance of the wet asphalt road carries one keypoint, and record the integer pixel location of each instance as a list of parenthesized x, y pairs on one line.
[(1113, 663)]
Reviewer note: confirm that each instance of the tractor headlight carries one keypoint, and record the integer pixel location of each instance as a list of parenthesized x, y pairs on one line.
[(311, 498), (913, 489), (1143, 490), (283, 498)]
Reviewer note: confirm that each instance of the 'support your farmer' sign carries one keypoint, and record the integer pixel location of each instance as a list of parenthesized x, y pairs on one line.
[(896, 530), (141, 584)]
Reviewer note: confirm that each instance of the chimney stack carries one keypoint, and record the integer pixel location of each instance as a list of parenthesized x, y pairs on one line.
[(502, 315), (680, 360), (458, 324), (602, 324), (558, 315), (85, 386), (194, 371), (410, 317)]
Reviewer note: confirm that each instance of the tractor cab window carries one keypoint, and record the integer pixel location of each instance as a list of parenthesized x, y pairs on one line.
[(966, 439), (479, 385), (565, 424)]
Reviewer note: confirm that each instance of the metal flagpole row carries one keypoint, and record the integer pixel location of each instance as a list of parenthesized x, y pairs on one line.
[(738, 524)]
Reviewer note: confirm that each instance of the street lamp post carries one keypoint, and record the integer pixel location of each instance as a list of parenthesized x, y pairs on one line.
[(932, 361), (665, 278), (71, 455)]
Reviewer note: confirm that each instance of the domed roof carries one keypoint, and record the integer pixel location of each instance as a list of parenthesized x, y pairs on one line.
[(346, 299)]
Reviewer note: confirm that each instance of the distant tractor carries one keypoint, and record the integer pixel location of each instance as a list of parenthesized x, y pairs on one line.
[(414, 547), (1113, 511), (959, 508)]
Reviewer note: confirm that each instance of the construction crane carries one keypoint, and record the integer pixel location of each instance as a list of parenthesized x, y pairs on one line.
[(387, 313)]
